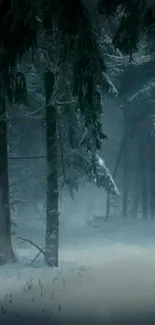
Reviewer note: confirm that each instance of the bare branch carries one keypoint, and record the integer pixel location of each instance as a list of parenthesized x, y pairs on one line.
[(41, 251), (32, 243)]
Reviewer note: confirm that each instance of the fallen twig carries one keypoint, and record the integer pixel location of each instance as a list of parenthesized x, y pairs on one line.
[(35, 258), (41, 251)]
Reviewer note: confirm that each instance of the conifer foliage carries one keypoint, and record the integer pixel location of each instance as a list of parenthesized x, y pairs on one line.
[(135, 18), (20, 22)]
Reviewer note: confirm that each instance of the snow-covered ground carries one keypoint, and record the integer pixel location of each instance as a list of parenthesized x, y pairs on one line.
[(106, 276)]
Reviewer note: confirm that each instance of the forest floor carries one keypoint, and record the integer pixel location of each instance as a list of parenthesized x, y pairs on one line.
[(106, 276)]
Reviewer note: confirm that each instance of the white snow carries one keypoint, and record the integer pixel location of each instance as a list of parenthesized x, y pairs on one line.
[(105, 274)]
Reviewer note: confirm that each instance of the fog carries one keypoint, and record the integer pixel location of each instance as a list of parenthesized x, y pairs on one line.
[(105, 276), (106, 270), (100, 199)]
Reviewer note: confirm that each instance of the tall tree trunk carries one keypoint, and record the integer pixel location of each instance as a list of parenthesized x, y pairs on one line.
[(52, 215), (6, 251), (152, 180), (144, 197), (136, 198), (125, 183), (136, 187), (114, 175), (144, 179)]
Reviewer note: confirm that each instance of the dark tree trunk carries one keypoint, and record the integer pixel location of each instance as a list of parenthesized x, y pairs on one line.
[(136, 187), (152, 180), (125, 183), (144, 179), (136, 197), (144, 197), (114, 175), (52, 216), (6, 251)]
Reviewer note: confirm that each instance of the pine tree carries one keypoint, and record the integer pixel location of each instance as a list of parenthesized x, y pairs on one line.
[(20, 24)]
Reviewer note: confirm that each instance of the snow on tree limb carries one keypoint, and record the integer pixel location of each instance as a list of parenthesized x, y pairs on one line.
[(109, 85), (90, 167), (102, 176)]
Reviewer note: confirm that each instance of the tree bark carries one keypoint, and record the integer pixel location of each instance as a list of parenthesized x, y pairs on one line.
[(144, 179), (136, 198), (136, 187), (114, 175), (152, 180), (6, 251), (52, 215), (125, 183)]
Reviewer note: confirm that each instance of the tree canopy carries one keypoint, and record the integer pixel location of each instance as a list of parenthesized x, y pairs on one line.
[(22, 20)]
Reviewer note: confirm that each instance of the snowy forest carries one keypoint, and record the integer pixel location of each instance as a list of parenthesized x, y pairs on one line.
[(77, 161)]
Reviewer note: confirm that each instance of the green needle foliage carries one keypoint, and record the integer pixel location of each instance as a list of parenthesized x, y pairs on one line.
[(136, 18), (80, 46), (18, 28), (20, 22)]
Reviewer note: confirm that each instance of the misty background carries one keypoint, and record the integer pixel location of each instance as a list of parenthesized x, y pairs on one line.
[(77, 162)]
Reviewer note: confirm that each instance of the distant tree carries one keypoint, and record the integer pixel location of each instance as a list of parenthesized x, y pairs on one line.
[(140, 134)]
